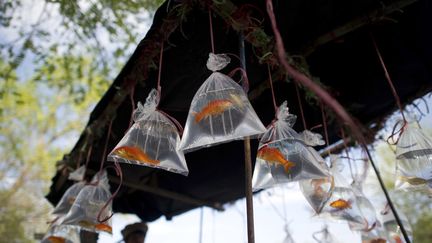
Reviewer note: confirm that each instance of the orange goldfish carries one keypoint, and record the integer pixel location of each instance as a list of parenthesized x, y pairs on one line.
[(104, 227), (273, 155), (378, 240), (56, 239), (340, 204), (71, 200), (397, 239), (214, 107), (134, 153)]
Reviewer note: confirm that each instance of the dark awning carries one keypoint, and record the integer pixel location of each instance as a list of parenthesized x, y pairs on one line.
[(332, 36)]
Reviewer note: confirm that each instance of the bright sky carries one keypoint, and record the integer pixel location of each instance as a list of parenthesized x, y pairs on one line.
[(230, 226)]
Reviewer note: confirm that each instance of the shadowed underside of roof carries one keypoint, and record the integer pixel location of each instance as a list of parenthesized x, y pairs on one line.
[(331, 39)]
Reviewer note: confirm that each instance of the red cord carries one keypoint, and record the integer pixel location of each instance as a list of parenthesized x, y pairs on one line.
[(300, 106), (120, 174), (105, 149), (160, 71), (325, 126), (211, 32), (271, 88)]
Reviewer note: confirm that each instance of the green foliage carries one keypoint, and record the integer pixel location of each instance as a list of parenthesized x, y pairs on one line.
[(38, 118), (422, 229)]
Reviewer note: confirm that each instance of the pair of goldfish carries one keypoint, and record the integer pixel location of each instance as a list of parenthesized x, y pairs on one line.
[(134, 153), (274, 155), (218, 106)]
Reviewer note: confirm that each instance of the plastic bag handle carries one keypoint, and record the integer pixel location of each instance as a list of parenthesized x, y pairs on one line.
[(398, 132), (120, 174)]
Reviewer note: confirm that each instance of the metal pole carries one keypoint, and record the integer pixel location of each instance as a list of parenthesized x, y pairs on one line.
[(389, 201), (248, 163)]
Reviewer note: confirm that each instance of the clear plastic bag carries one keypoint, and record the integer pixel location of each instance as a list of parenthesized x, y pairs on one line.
[(151, 141), (58, 233), (342, 204), (89, 204), (220, 111), (283, 157), (311, 138), (414, 160), (68, 198), (324, 236), (367, 211), (394, 233), (78, 174), (377, 235)]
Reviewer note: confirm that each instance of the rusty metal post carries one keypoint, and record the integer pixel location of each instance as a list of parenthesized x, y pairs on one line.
[(248, 163)]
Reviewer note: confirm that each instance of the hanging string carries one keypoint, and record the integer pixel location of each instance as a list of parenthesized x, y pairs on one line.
[(271, 88), (159, 90), (325, 127), (102, 162), (387, 75), (300, 106), (211, 31), (132, 100), (120, 175), (89, 152), (396, 96), (79, 159), (160, 70)]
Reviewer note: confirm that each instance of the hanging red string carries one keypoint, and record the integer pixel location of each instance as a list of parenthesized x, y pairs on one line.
[(271, 88), (211, 31), (89, 152), (132, 100), (159, 89), (396, 96), (160, 70), (78, 163), (300, 106), (120, 175), (325, 126), (102, 162)]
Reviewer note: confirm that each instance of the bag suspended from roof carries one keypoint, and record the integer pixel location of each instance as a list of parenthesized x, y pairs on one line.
[(282, 156), (89, 204), (342, 204), (392, 228), (58, 233), (324, 236), (151, 141), (414, 160), (367, 210), (68, 198), (317, 191), (220, 111)]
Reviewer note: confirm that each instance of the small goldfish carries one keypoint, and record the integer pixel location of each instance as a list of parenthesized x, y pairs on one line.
[(415, 181), (214, 107), (71, 200), (378, 240), (273, 155), (397, 239), (56, 239), (104, 227), (340, 204), (134, 153)]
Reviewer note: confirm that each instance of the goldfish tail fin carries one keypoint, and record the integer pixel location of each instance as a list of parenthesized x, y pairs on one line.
[(288, 165), (198, 116)]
